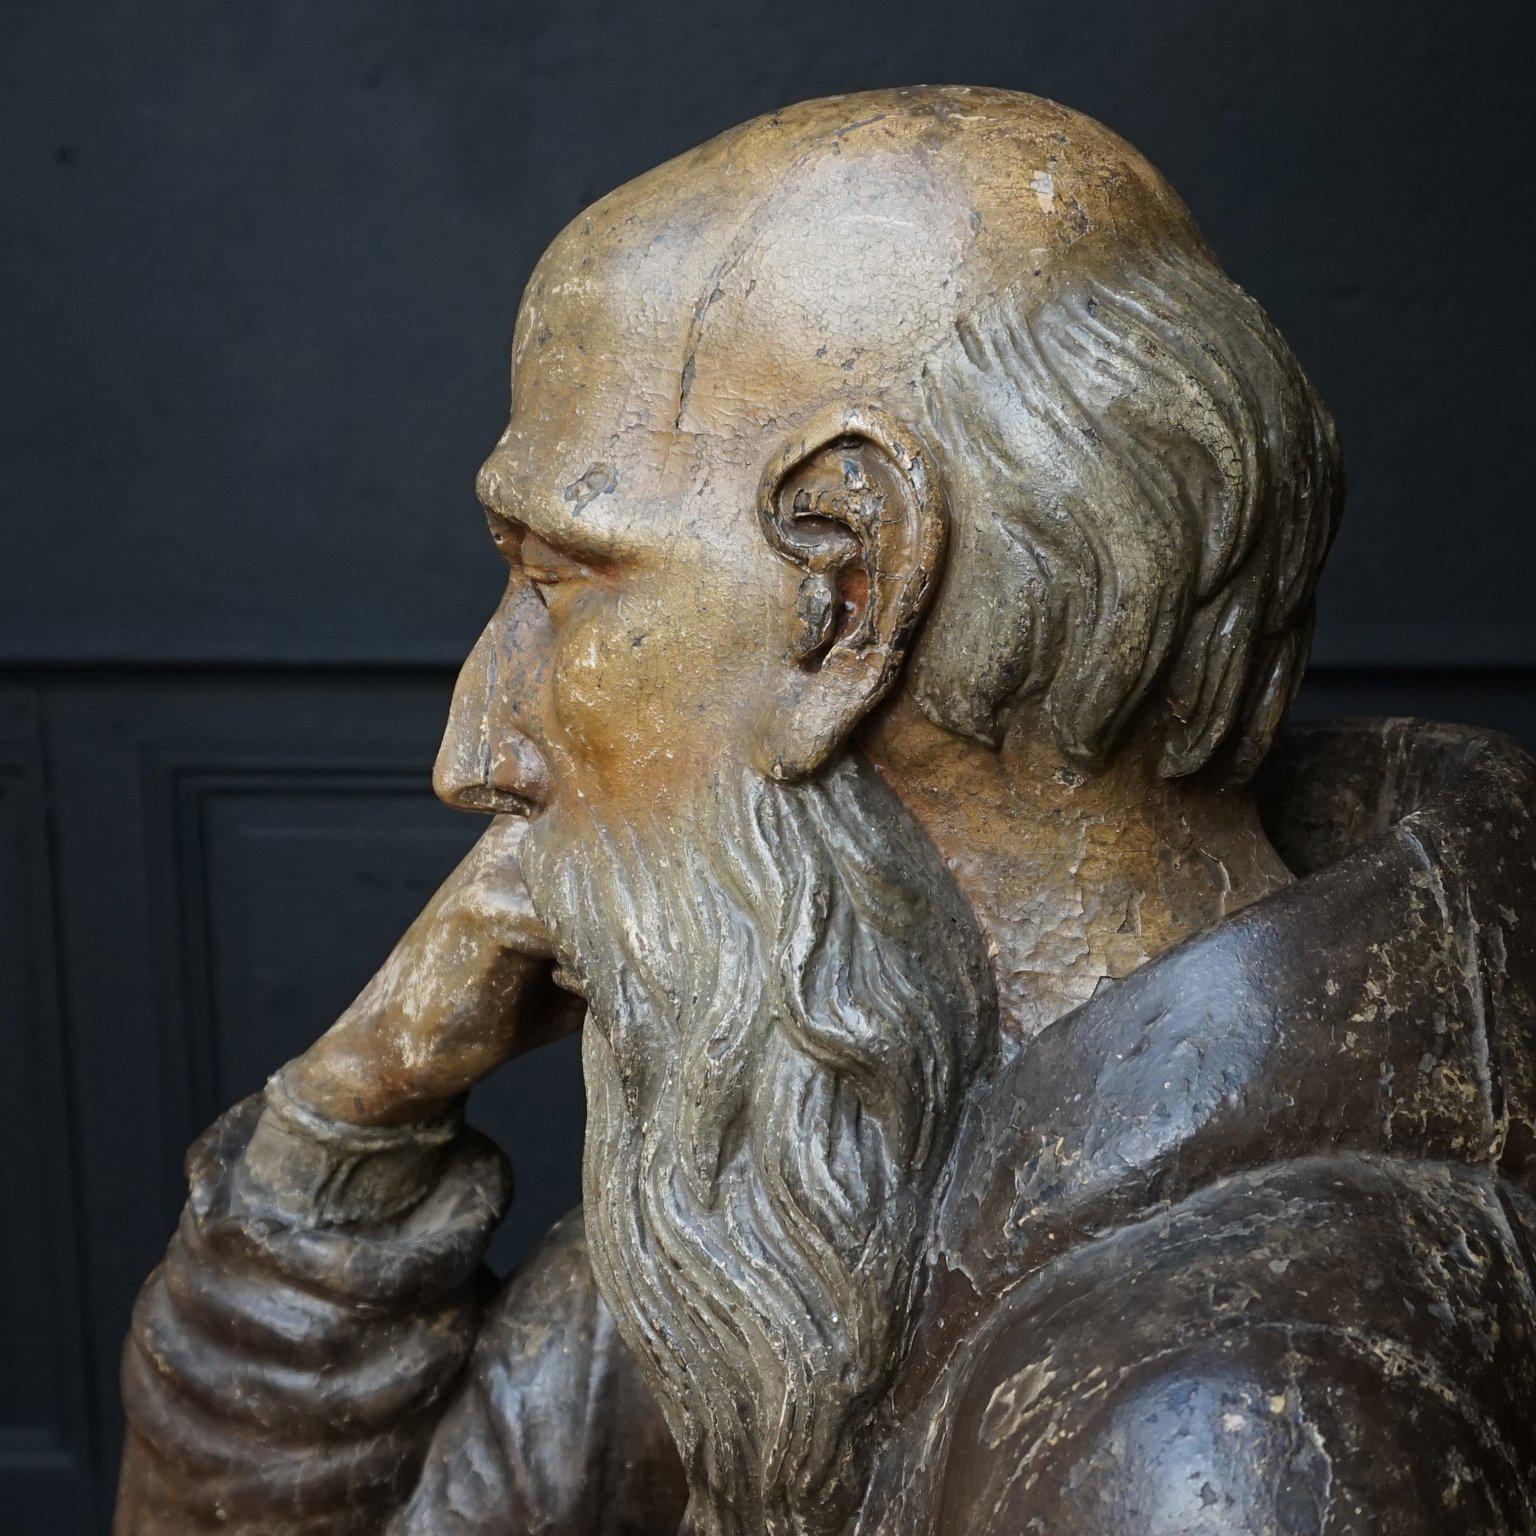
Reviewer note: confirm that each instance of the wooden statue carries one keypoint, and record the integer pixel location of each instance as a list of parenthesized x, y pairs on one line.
[(1030, 1090)]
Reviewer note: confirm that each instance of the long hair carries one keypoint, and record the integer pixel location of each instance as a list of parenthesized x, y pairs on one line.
[(1147, 486)]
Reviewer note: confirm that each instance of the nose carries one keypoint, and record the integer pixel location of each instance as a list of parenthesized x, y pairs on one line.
[(489, 760)]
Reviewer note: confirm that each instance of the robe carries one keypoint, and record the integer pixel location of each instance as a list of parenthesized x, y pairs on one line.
[(1242, 1245)]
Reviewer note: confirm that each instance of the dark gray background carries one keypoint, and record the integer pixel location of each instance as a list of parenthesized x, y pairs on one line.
[(261, 262)]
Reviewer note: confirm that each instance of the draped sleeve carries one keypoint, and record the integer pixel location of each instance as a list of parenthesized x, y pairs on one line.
[(291, 1358)]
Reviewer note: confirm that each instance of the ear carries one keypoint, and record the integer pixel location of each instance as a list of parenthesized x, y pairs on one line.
[(855, 504)]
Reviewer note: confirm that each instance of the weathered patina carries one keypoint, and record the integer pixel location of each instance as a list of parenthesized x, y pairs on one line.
[(1030, 1087)]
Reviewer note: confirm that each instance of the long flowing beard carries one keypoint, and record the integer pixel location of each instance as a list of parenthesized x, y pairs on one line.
[(788, 996)]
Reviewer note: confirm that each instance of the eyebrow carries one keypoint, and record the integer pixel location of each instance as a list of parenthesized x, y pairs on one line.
[(556, 516)]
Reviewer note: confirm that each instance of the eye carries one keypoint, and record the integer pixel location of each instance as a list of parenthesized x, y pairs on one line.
[(547, 567)]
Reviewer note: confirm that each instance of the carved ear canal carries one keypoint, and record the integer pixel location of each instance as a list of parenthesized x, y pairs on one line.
[(852, 503), (816, 612), (826, 529)]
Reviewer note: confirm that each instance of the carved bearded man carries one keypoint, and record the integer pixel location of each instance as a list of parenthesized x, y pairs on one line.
[(995, 1125)]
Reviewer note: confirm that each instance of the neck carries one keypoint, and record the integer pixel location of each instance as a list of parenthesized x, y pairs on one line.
[(1075, 879)]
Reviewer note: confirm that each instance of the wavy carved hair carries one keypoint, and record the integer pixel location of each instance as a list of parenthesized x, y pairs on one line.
[(1146, 486), (789, 997)]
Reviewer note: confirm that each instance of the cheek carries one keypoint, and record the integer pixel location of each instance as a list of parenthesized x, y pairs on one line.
[(647, 683), (602, 695)]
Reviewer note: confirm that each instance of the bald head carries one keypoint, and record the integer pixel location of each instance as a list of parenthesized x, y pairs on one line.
[(939, 385), (831, 246)]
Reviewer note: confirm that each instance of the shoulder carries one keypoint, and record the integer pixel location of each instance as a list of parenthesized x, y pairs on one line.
[(554, 1428), (548, 1341), (554, 1283), (1330, 1346)]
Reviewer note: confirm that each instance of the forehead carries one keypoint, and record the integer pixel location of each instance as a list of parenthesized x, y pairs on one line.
[(599, 375), (678, 327), (674, 333)]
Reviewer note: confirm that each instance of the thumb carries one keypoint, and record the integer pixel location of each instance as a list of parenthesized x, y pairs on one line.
[(487, 895)]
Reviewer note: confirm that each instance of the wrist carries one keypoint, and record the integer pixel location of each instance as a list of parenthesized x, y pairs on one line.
[(318, 1169), (340, 1083)]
